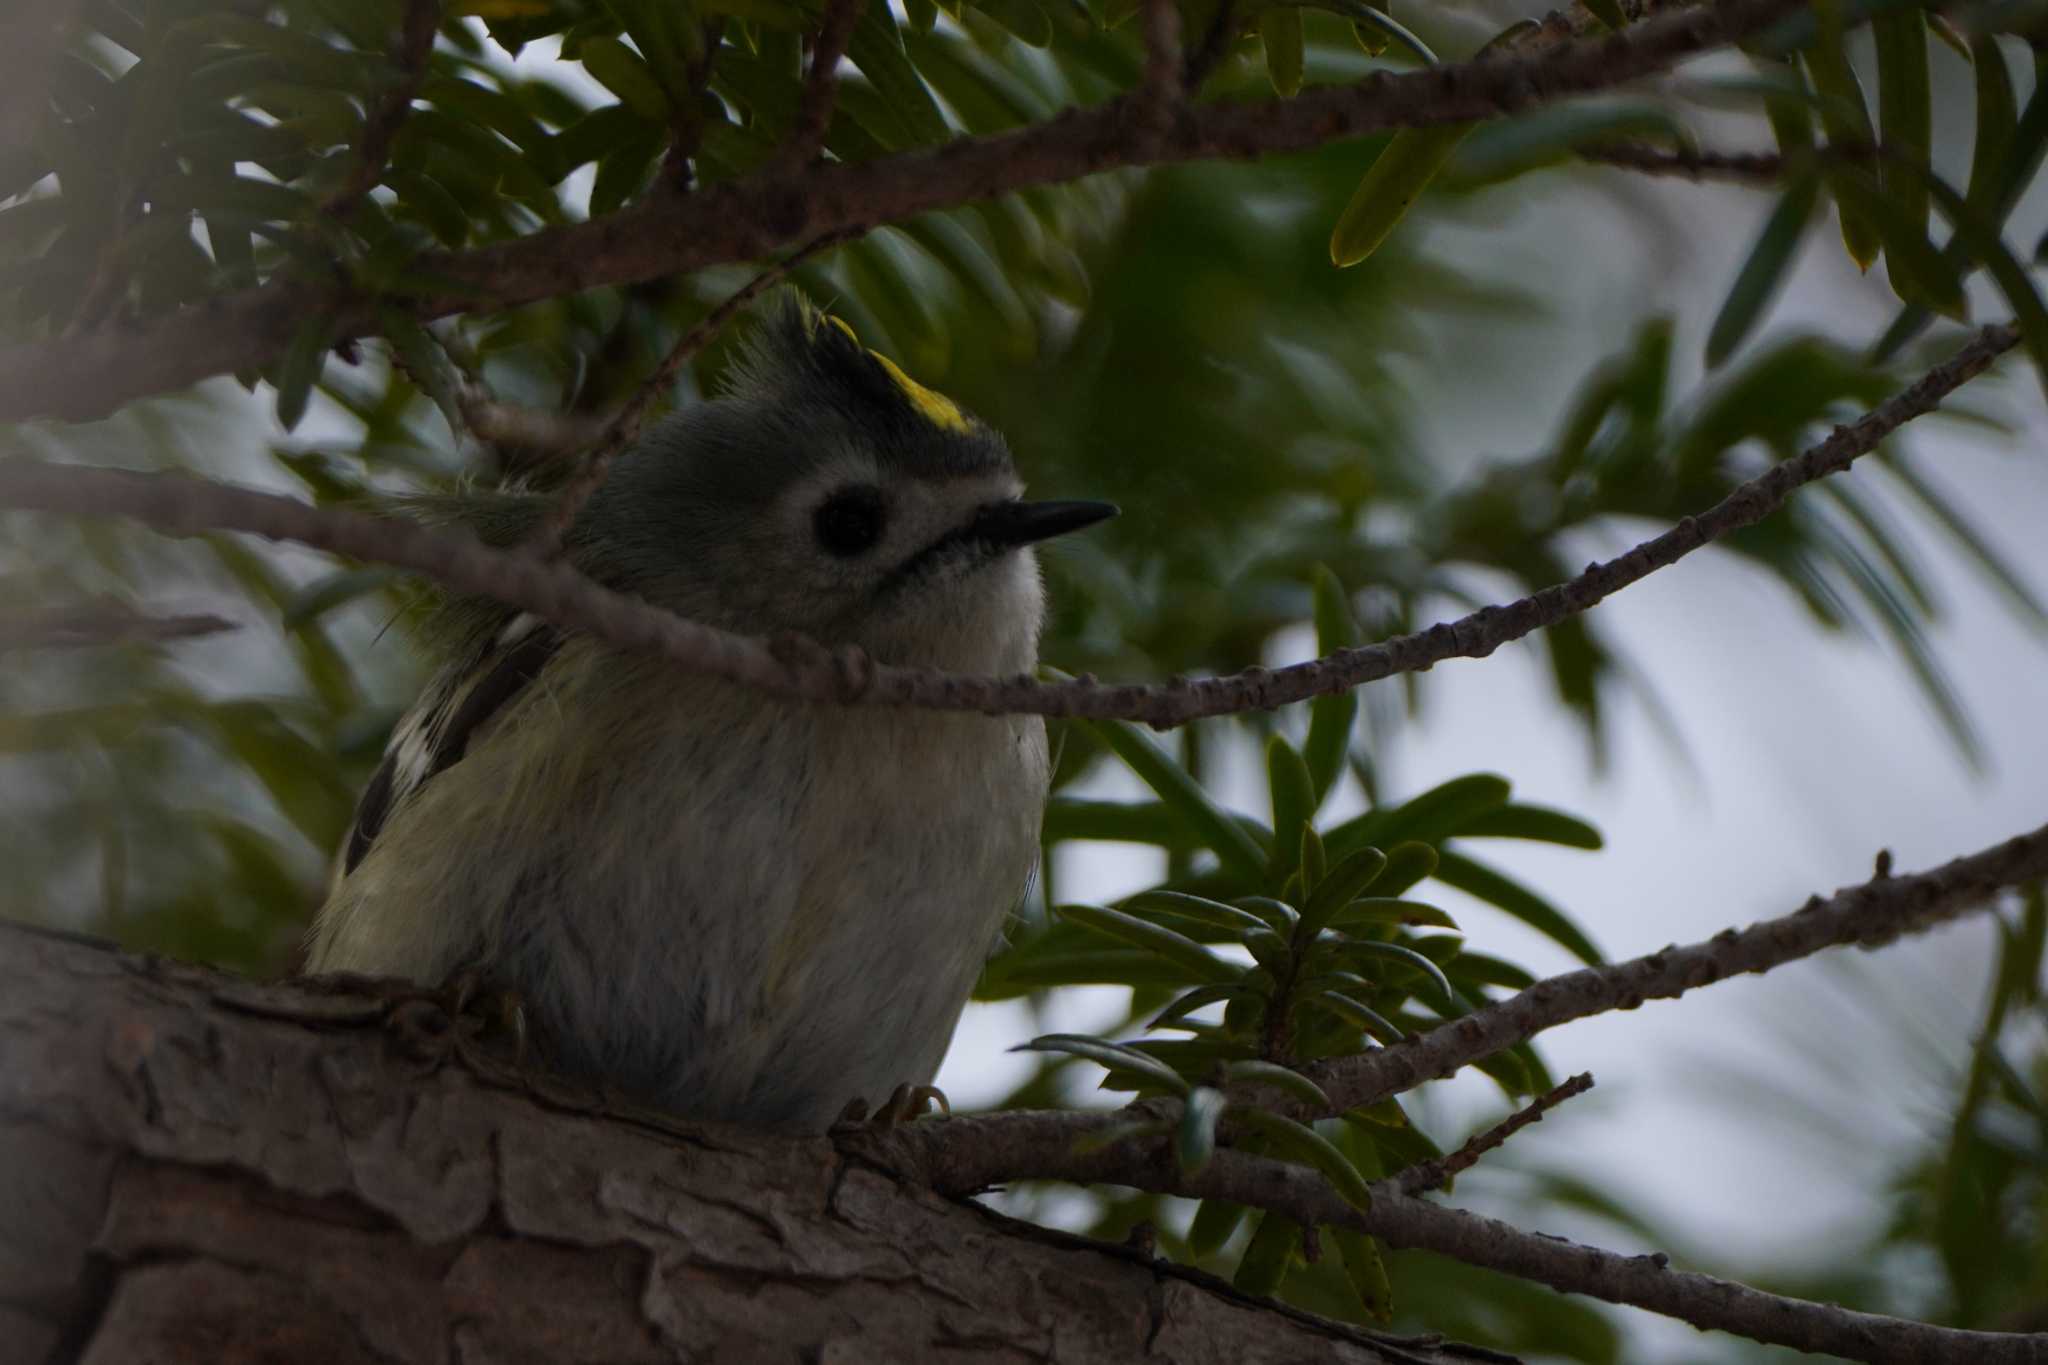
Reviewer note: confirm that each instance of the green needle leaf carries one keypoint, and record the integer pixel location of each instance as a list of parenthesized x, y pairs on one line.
[(1359, 1015), (1390, 910), (1401, 953), (1476, 879), (1332, 717), (300, 369), (1764, 272), (1218, 829), (1113, 1056), (1300, 1143), (1906, 119), (1277, 913), (1982, 241), (1340, 886), (1199, 909), (1846, 117), (1997, 118), (1180, 950), (1271, 1250), (1294, 802), (1197, 1139), (1539, 823), (1215, 1223), (1280, 1078), (1407, 864)]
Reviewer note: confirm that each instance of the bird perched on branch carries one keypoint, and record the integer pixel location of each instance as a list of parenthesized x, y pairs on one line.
[(730, 905)]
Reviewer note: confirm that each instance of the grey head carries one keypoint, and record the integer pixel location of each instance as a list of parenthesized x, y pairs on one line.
[(828, 493)]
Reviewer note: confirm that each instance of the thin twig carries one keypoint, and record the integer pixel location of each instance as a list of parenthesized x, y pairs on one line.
[(1645, 1281), (987, 1148), (412, 59), (1425, 1176), (1160, 92), (821, 84), (1048, 1150), (792, 666), (686, 132), (98, 623), (1748, 168), (1868, 914), (667, 235), (623, 428)]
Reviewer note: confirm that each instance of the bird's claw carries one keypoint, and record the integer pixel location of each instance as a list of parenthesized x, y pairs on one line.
[(905, 1104), (460, 1017)]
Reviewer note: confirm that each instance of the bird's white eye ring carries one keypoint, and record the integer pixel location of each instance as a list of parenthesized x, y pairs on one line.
[(849, 522)]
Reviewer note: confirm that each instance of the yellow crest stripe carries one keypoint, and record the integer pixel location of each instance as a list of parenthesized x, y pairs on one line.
[(941, 411), (936, 408)]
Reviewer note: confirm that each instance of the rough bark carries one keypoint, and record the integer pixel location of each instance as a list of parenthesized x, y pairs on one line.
[(194, 1167)]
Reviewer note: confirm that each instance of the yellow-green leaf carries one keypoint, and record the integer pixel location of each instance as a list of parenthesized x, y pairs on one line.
[(1280, 32), (1846, 117), (1406, 165), (1366, 1269)]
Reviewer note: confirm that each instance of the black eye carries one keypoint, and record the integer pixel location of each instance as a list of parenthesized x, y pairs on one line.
[(850, 521)]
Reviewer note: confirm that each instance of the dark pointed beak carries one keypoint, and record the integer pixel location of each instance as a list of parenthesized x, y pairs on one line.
[(1024, 523)]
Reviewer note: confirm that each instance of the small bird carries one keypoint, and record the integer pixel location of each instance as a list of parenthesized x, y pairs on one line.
[(725, 904)]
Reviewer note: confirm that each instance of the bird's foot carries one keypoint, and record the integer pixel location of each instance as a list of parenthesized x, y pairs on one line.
[(467, 1018), (906, 1103)]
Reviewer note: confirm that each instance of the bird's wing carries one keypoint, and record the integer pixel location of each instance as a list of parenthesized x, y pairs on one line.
[(435, 734)]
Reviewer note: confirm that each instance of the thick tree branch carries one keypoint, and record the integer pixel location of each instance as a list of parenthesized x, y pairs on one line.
[(197, 1167), (249, 1160), (796, 667), (98, 371)]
